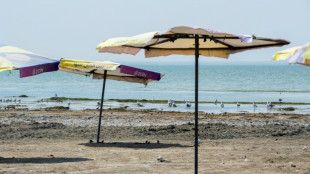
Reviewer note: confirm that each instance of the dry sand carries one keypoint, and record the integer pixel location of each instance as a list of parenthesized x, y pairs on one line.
[(58, 141)]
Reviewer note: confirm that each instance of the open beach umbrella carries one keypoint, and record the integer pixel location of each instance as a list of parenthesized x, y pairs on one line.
[(108, 70), (188, 41), (28, 63), (298, 55)]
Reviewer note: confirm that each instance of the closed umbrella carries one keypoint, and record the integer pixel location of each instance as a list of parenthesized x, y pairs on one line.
[(28, 63), (108, 70), (297, 55), (188, 41)]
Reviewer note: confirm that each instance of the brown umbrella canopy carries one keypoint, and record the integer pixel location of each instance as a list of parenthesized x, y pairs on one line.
[(188, 41), (180, 40)]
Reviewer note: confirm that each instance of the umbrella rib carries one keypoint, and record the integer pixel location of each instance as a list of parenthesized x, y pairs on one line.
[(223, 43), (218, 48), (284, 42), (148, 48), (158, 42), (259, 46), (173, 37), (126, 75), (190, 36)]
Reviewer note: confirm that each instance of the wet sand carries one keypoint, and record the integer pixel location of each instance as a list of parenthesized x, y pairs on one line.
[(58, 141)]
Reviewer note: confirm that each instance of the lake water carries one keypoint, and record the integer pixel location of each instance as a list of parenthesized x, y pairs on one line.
[(221, 82), (227, 83)]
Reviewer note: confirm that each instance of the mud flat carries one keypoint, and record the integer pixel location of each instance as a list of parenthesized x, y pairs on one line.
[(59, 141)]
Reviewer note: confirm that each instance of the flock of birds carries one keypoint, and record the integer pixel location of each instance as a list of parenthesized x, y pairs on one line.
[(171, 103), (10, 100), (268, 104)]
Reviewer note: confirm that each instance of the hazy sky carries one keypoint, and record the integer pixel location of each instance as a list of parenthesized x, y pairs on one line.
[(73, 28)]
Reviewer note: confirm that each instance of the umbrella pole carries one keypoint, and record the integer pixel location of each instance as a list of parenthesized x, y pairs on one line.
[(101, 104), (196, 101)]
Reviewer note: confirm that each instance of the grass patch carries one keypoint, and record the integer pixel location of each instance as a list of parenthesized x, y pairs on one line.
[(23, 96), (178, 102), (288, 109), (56, 108), (121, 109), (67, 98), (135, 100)]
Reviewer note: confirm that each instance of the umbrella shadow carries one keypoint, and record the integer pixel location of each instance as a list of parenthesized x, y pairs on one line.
[(135, 145), (39, 160)]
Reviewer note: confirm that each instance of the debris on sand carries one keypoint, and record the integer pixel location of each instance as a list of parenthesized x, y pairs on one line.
[(161, 159)]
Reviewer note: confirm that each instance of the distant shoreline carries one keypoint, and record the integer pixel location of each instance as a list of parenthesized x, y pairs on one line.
[(51, 99)]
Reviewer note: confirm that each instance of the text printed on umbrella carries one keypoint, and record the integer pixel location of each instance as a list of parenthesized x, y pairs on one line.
[(140, 74), (37, 71)]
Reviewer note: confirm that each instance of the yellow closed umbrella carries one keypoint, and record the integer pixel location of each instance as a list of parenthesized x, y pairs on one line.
[(108, 70), (297, 55)]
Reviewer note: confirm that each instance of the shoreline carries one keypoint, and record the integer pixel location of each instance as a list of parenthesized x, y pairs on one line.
[(51, 99), (159, 105)]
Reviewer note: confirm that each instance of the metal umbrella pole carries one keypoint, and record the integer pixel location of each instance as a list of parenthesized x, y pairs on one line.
[(196, 100), (101, 104)]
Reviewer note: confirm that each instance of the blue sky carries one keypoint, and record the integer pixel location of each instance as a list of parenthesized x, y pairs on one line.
[(73, 28)]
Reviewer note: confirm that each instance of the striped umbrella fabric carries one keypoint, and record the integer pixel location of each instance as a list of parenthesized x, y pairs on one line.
[(295, 55), (28, 63)]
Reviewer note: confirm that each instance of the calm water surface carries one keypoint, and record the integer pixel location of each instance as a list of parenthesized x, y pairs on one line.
[(227, 83)]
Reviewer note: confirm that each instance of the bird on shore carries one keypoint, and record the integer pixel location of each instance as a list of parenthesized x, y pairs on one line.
[(173, 104), (188, 104), (270, 105), (222, 104), (254, 105), (169, 103), (98, 104), (280, 100), (238, 105), (139, 104), (68, 102), (215, 102)]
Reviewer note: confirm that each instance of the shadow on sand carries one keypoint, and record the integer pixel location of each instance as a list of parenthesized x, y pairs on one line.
[(134, 145), (39, 160)]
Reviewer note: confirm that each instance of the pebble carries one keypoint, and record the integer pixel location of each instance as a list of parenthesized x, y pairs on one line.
[(246, 159), (161, 159)]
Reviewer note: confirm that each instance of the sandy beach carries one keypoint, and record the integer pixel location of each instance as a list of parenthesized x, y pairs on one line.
[(60, 141)]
